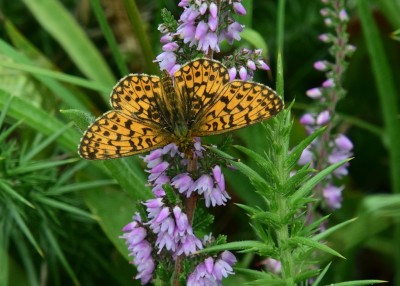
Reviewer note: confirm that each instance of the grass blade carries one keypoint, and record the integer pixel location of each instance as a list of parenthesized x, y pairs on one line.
[(54, 18), (107, 32)]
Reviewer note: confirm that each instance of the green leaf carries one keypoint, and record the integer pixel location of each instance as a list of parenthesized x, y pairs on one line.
[(313, 226), (80, 118), (358, 282), (333, 229), (306, 275), (13, 193), (138, 27), (41, 72), (73, 187), (297, 179), (298, 150), (21, 62), (314, 244), (36, 166), (9, 130), (244, 246), (250, 210), (54, 18), (388, 95), (108, 34), (269, 218), (45, 143), (307, 187), (25, 230), (264, 163), (321, 275), (256, 179), (114, 210), (63, 206), (60, 255)]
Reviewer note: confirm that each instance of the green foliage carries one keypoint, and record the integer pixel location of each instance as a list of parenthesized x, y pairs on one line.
[(279, 224), (37, 197), (52, 206)]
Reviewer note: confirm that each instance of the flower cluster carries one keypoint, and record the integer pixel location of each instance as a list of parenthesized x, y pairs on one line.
[(330, 148), (211, 271), (244, 62), (172, 228), (202, 26), (135, 236), (169, 226), (162, 168)]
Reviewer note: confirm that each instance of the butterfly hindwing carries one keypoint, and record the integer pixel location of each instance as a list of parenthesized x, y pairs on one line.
[(198, 82), (115, 134), (137, 95), (240, 103), (198, 101)]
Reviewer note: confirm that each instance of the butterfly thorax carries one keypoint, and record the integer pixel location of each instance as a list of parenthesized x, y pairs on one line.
[(172, 108)]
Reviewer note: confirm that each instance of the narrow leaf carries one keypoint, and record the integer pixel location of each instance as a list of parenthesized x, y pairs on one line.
[(321, 275), (248, 245), (314, 244), (45, 143), (14, 194), (358, 282), (307, 187), (298, 150), (332, 229), (65, 207), (90, 84), (54, 18), (60, 255), (108, 34), (25, 230)]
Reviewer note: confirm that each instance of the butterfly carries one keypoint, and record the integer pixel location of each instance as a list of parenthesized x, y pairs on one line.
[(151, 112)]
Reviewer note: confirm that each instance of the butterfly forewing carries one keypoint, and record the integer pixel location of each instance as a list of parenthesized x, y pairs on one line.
[(137, 95), (199, 102), (116, 134), (198, 82), (239, 104)]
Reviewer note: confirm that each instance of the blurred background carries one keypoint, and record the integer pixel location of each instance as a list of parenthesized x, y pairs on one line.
[(60, 216)]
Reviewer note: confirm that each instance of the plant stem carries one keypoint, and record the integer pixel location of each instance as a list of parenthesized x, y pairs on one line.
[(283, 123), (190, 207), (283, 175)]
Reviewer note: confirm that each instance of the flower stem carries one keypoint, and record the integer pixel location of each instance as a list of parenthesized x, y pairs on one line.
[(190, 207)]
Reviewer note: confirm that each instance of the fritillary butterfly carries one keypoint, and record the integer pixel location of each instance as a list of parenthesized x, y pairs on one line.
[(151, 112)]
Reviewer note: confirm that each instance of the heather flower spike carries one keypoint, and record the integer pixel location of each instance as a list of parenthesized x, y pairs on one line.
[(329, 148)]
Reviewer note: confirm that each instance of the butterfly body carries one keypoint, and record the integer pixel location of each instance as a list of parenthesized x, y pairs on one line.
[(151, 112)]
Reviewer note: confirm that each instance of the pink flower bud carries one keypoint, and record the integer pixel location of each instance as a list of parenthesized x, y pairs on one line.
[(343, 15), (320, 65), (314, 93), (251, 65), (307, 119), (232, 73), (323, 117), (243, 73), (324, 38), (203, 8), (328, 83), (213, 10), (239, 9)]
